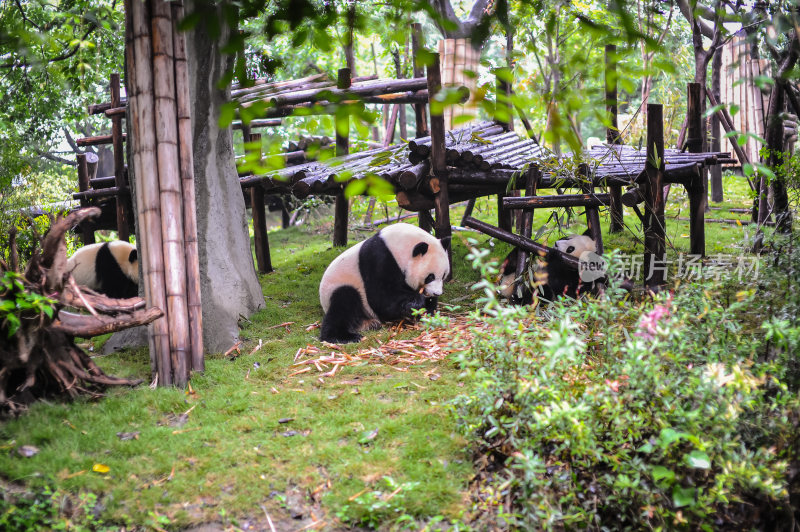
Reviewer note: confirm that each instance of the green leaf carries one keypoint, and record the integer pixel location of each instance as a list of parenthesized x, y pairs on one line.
[(13, 324), (48, 310), (662, 473), (683, 496), (747, 169), (227, 113), (669, 436), (355, 188), (698, 460)]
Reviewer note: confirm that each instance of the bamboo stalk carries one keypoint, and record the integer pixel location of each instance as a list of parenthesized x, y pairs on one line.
[(185, 148), (148, 205), (170, 191)]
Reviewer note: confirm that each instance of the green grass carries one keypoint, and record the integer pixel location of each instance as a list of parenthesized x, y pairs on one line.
[(232, 455)]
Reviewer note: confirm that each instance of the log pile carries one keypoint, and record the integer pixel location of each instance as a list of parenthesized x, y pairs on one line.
[(40, 358), (627, 162)]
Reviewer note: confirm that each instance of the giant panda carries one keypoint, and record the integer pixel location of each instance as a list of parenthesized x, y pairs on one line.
[(386, 277), (110, 268), (554, 277)]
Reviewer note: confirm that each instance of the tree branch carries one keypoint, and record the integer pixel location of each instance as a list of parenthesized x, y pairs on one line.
[(66, 55)]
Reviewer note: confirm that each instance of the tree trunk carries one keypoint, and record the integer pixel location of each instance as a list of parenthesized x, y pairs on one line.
[(229, 284)]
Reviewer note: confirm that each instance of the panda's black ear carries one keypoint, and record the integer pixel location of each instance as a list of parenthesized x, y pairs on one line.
[(588, 233), (133, 257), (420, 249)]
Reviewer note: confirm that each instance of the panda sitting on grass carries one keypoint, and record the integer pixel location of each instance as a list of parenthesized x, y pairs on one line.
[(387, 277), (109, 268)]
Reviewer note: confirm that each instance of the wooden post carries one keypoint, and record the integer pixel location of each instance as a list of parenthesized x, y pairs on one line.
[(612, 135), (592, 213), (503, 99), (717, 194), (697, 195), (259, 209), (121, 181), (531, 181), (438, 162), (87, 235), (419, 108), (654, 229), (341, 208), (185, 147), (503, 215)]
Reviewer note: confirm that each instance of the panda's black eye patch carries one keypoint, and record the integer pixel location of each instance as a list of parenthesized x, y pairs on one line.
[(570, 249), (420, 249), (430, 278)]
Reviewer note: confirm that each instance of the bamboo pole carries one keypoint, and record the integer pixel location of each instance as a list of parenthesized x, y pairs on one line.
[(148, 204), (170, 191), (185, 149)]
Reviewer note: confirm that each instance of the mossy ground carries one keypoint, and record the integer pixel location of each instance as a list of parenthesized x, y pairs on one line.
[(232, 456)]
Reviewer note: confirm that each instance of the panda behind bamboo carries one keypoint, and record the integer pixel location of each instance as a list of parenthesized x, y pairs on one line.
[(110, 268), (386, 277), (555, 278)]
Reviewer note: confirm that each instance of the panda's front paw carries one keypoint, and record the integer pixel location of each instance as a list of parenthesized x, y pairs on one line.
[(413, 305), (431, 303)]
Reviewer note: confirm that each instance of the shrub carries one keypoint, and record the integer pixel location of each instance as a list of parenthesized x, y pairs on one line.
[(619, 414)]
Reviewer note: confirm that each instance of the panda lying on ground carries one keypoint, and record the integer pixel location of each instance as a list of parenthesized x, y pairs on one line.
[(384, 278), (555, 277), (110, 268)]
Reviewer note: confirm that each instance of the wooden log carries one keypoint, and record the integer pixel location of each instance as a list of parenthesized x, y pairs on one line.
[(698, 197), (97, 141), (341, 207), (87, 234), (259, 209), (526, 244), (258, 123), (110, 192), (88, 326), (99, 108), (419, 109), (438, 165), (369, 88), (411, 177), (142, 103), (116, 111), (528, 203), (120, 177), (170, 191), (654, 228), (102, 182)]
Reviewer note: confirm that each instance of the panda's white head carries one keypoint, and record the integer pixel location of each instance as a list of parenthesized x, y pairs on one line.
[(127, 257), (420, 256), (576, 245)]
